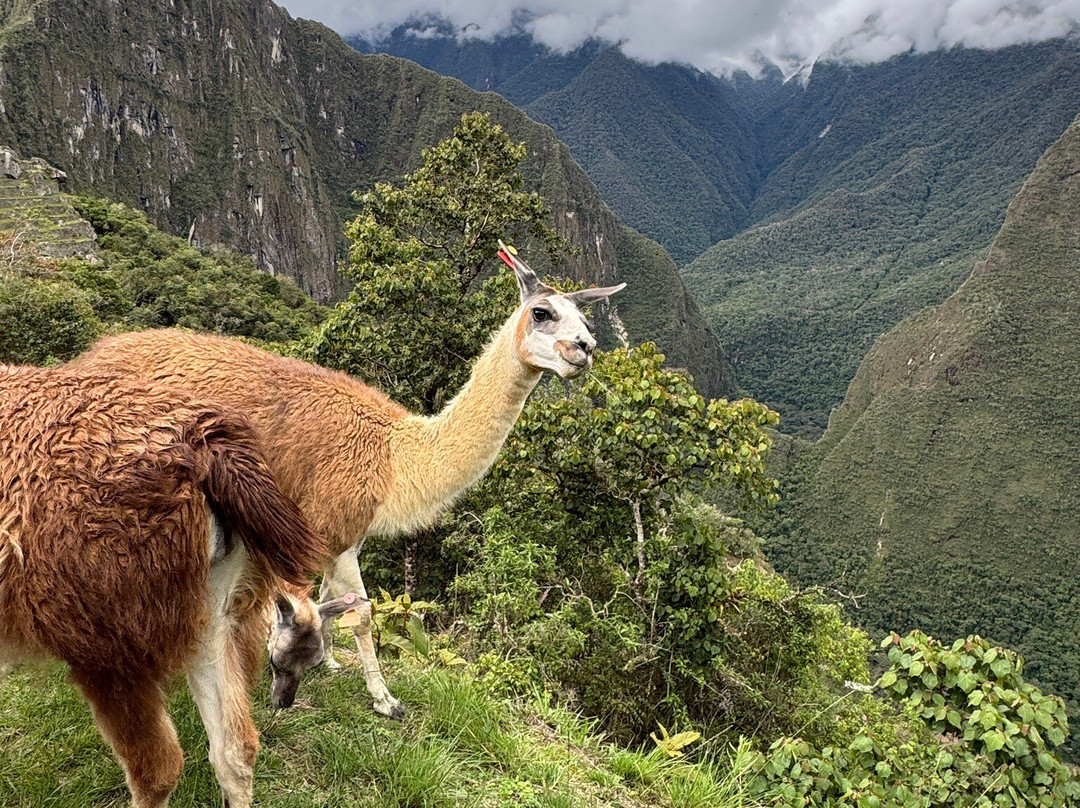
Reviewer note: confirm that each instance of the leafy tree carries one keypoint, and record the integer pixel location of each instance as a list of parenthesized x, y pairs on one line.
[(421, 308), (636, 435), (595, 569)]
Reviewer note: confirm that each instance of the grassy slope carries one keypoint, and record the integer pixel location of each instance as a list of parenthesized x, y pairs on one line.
[(882, 215), (458, 746), (946, 485)]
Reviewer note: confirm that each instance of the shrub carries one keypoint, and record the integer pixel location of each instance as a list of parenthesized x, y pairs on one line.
[(973, 734), (43, 321)]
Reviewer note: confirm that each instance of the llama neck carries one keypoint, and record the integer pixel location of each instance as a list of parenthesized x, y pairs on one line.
[(435, 458)]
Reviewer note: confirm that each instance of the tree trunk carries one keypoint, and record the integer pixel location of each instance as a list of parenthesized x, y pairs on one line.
[(412, 554), (415, 552), (639, 526)]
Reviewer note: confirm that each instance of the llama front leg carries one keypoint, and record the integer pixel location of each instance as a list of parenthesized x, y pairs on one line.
[(345, 578), (131, 716), (219, 686)]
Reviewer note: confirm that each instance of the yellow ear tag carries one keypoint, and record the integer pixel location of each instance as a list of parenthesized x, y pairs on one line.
[(349, 619)]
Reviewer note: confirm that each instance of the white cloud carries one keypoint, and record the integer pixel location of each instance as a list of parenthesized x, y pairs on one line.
[(719, 35)]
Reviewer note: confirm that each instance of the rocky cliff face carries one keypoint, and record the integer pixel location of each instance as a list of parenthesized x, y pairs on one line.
[(231, 122)]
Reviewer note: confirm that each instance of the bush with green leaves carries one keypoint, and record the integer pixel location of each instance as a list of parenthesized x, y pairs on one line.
[(43, 320), (422, 306), (973, 734), (145, 278), (588, 563)]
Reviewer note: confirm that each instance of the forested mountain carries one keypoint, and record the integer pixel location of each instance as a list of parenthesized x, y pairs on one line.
[(854, 198), (229, 121), (889, 182), (944, 492), (670, 148)]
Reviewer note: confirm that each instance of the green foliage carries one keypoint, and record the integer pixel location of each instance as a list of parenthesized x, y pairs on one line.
[(976, 735), (594, 569), (398, 623), (634, 431), (421, 308), (43, 320), (883, 184), (148, 279)]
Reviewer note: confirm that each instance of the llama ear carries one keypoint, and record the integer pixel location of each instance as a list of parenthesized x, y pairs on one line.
[(332, 608), (528, 283), (587, 297), (285, 611)]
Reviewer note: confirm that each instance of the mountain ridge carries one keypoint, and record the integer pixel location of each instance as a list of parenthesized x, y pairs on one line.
[(231, 122), (951, 464)]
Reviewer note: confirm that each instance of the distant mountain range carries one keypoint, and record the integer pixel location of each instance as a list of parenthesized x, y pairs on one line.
[(231, 122), (945, 492), (811, 216)]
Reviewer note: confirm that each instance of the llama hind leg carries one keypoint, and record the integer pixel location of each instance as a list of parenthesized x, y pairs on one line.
[(345, 578), (218, 683), (131, 716)]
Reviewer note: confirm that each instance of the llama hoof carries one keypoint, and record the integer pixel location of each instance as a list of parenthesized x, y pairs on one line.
[(390, 707)]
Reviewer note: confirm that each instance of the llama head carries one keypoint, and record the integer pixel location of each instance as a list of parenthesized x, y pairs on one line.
[(552, 333), (296, 641)]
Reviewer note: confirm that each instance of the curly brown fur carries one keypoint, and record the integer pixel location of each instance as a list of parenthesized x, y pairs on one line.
[(106, 485)]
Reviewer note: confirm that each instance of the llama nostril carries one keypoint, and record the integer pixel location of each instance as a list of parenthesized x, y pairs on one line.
[(586, 347)]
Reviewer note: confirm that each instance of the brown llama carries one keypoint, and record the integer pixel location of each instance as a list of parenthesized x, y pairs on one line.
[(357, 463), (120, 505)]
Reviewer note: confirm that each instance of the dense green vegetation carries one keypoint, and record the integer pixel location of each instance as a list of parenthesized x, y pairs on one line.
[(886, 182), (970, 732), (943, 493), (52, 309)]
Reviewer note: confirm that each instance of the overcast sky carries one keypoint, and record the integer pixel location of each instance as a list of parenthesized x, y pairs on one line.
[(718, 35)]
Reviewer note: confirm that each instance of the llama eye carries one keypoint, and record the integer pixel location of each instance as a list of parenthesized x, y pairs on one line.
[(541, 315)]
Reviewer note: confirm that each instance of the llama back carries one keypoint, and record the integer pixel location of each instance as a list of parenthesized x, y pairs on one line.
[(307, 418), (98, 499)]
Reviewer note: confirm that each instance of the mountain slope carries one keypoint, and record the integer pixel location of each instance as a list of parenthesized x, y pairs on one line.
[(845, 204), (669, 147), (232, 122), (884, 183), (945, 488)]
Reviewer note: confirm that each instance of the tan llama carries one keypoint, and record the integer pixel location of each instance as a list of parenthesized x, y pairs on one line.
[(120, 510), (357, 463)]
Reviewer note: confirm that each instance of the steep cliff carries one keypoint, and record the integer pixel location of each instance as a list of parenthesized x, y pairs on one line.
[(945, 488), (232, 122)]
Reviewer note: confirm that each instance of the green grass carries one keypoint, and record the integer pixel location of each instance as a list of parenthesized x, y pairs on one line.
[(458, 746)]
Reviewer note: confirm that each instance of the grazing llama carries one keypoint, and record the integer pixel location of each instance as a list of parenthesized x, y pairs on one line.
[(357, 463), (119, 511)]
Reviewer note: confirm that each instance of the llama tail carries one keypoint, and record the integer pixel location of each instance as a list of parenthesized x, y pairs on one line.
[(246, 496)]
